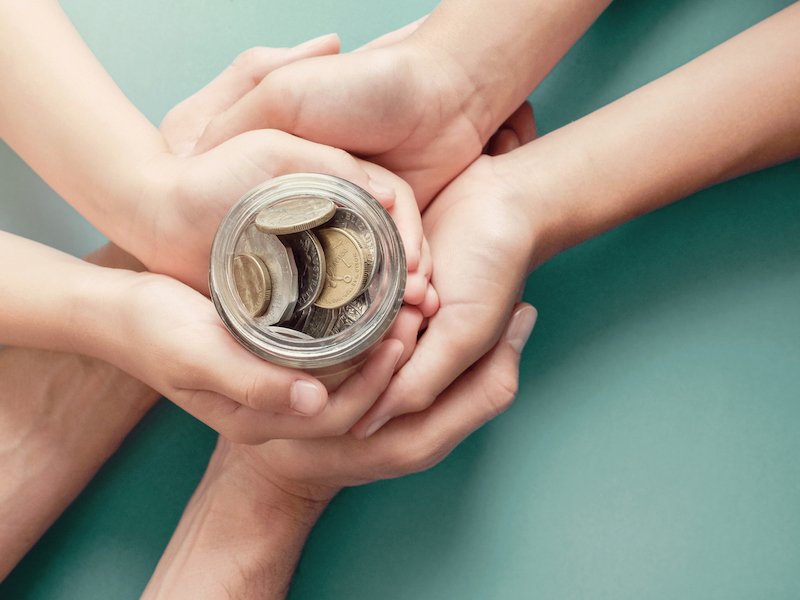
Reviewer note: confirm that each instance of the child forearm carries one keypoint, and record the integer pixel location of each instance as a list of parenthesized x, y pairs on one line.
[(65, 116), (731, 111)]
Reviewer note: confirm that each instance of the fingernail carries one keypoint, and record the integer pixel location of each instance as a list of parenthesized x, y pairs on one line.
[(520, 328), (315, 42), (305, 398), (375, 425), (381, 190)]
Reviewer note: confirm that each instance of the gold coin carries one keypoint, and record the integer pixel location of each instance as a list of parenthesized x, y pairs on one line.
[(252, 282), (344, 267), (294, 214)]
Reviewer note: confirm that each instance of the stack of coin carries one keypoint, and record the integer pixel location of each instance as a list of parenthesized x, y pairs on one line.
[(302, 269)]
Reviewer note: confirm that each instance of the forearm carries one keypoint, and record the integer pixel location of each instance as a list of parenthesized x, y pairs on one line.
[(65, 116), (505, 47), (729, 112), (54, 301), (239, 537), (61, 418)]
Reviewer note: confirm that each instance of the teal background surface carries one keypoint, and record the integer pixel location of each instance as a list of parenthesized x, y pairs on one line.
[(653, 448)]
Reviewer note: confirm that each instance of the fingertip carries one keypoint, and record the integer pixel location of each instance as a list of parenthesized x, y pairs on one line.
[(416, 288), (406, 329), (308, 398), (382, 193), (320, 46), (430, 305), (504, 141), (413, 256), (520, 326)]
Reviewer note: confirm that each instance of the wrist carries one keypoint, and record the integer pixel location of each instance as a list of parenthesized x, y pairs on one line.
[(152, 188), (239, 532), (476, 90), (246, 467), (554, 184)]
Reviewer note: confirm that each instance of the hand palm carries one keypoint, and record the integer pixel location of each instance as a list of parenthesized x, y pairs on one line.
[(481, 246)]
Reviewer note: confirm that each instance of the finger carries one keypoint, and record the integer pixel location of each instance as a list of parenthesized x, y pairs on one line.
[(522, 122), (393, 36), (455, 339), (270, 153), (504, 140), (430, 305), (417, 441), (418, 282), (111, 255), (184, 124), (403, 210), (406, 329), (231, 371), (348, 403)]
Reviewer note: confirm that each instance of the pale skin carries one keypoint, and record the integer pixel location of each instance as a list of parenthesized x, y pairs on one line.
[(650, 148), (731, 111), (243, 530), (135, 183), (639, 153), (510, 213), (425, 105), (62, 415)]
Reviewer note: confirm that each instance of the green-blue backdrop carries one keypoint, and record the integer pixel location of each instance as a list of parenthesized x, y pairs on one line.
[(653, 449)]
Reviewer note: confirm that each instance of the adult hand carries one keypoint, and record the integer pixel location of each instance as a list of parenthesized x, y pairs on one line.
[(245, 526), (193, 193), (317, 469), (404, 106)]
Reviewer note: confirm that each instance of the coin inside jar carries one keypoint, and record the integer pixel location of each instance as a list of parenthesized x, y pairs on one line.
[(331, 303), (350, 220), (344, 273), (280, 263), (294, 214), (252, 283), (310, 259)]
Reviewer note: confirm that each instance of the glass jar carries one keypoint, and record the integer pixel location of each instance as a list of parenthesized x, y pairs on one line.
[(333, 356)]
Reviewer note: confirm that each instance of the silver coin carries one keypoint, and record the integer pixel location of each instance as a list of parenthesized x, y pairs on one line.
[(350, 220), (289, 334), (310, 266), (296, 320), (320, 320), (350, 313), (282, 271), (294, 214)]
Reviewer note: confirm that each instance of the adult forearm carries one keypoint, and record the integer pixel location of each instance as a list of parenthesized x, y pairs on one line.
[(505, 47), (239, 537), (61, 417), (729, 112), (65, 116)]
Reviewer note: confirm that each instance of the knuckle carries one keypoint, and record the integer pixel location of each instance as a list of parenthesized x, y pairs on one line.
[(501, 391), (342, 159), (336, 428), (422, 455), (252, 61), (251, 393)]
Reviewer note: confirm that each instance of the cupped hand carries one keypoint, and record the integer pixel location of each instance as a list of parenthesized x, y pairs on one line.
[(315, 470), (171, 338), (401, 105), (482, 244), (191, 195)]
